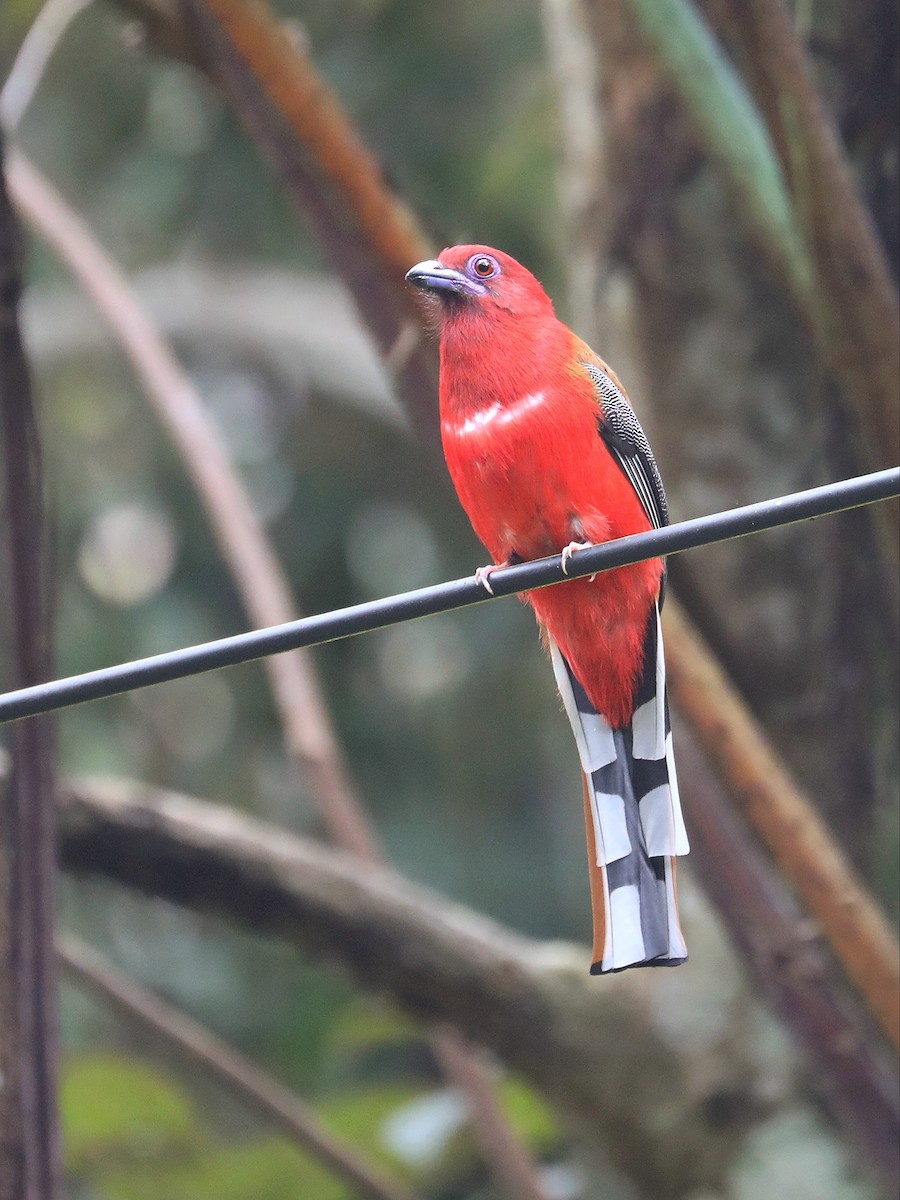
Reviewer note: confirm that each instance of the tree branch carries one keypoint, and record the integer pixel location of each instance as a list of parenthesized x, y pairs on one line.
[(38, 45), (264, 590), (597, 1051), (857, 317), (601, 1053), (787, 962), (786, 821), (818, 237), (300, 128)]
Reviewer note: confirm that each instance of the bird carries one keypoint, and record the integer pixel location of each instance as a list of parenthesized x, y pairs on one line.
[(547, 456)]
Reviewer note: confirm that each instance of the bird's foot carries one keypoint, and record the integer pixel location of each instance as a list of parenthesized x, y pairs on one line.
[(567, 553), (483, 574)]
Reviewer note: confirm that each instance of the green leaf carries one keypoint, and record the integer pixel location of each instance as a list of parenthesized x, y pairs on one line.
[(136, 1136)]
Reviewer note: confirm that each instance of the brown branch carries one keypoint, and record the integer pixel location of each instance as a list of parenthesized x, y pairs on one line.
[(438, 960), (787, 962), (786, 821), (254, 567), (858, 320), (30, 1161), (598, 1052), (300, 129), (252, 1086), (266, 597)]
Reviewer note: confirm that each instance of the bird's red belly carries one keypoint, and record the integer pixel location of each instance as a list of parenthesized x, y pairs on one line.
[(531, 493), (600, 628)]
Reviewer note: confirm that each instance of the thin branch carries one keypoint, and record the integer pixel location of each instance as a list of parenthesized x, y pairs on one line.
[(37, 47), (787, 963), (857, 315), (786, 821), (264, 591), (252, 1086), (300, 128), (599, 1052), (267, 599)]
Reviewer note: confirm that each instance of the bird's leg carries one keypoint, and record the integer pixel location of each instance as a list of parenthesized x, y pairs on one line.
[(567, 553)]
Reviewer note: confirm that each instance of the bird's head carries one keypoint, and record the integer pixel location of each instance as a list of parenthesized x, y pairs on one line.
[(470, 281)]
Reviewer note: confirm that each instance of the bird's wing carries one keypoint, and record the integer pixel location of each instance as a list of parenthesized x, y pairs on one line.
[(622, 432)]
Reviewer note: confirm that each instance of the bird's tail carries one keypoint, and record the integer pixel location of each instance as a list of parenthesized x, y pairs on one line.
[(633, 817)]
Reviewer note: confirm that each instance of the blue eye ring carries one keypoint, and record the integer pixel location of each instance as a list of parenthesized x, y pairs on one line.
[(482, 267)]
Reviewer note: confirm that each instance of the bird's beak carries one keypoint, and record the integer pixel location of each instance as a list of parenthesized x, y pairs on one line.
[(433, 276)]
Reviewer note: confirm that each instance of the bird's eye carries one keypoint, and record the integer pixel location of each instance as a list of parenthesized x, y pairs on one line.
[(482, 266)]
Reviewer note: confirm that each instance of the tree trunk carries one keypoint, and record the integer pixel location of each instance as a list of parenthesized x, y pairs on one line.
[(29, 1139)]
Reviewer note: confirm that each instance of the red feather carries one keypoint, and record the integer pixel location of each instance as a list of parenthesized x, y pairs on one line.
[(519, 424)]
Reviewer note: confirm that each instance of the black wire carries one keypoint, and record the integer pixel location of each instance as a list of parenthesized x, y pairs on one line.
[(361, 618)]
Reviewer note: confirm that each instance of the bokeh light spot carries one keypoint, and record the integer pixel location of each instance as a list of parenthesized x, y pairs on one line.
[(127, 553)]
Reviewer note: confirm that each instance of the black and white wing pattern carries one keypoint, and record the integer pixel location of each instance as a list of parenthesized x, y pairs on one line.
[(622, 432)]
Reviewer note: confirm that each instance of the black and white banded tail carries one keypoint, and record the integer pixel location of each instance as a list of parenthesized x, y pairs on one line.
[(635, 815)]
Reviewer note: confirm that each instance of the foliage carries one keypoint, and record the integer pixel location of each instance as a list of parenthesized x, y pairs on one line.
[(136, 1131)]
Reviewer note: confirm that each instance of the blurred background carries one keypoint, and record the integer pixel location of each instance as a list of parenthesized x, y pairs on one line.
[(451, 726)]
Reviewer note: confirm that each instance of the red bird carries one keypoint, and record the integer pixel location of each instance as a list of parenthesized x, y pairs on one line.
[(547, 455)]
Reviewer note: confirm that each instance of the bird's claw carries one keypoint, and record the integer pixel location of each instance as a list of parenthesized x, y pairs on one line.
[(482, 576), (567, 553)]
